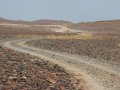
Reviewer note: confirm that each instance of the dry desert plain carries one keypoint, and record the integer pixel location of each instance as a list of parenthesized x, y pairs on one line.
[(59, 55)]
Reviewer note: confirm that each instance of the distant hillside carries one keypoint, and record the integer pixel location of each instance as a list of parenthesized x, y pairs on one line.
[(52, 22), (4, 20), (41, 22), (98, 26), (110, 25)]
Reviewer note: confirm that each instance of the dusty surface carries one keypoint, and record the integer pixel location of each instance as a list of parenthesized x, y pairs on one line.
[(106, 47), (99, 75), (90, 54), (103, 54), (20, 71)]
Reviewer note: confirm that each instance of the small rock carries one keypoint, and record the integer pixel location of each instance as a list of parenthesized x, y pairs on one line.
[(14, 79), (24, 78)]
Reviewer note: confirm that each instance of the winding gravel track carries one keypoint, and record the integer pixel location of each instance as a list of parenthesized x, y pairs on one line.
[(98, 74)]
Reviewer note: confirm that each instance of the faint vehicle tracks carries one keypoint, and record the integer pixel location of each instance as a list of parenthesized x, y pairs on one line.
[(99, 75)]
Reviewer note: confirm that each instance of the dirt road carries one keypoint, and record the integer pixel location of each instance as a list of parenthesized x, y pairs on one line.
[(98, 74)]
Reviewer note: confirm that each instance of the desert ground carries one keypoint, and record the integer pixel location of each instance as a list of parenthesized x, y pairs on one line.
[(59, 55)]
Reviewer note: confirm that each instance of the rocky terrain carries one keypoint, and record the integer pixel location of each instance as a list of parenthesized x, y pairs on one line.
[(104, 53), (20, 71), (107, 48), (82, 60)]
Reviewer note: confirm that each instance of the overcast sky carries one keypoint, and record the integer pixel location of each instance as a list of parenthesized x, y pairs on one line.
[(71, 10)]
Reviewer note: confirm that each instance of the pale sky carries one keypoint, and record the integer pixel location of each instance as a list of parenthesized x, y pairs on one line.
[(71, 10)]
